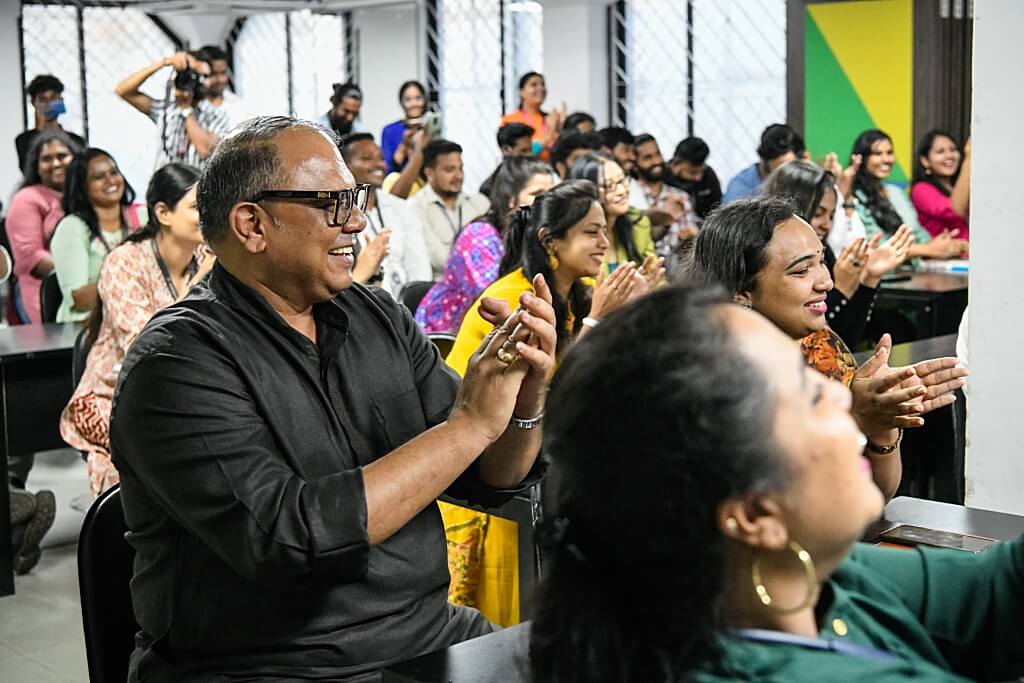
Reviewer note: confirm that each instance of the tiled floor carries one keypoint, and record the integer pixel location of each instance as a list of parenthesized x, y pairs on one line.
[(41, 624)]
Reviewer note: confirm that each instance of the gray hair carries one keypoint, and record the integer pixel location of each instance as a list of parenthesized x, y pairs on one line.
[(243, 164)]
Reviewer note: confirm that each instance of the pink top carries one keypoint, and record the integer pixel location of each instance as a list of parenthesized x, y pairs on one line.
[(935, 212), (31, 220), (472, 265)]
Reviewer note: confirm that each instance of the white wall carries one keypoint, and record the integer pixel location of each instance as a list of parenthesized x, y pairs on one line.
[(197, 30), (576, 56), (388, 54), (11, 116), (995, 453)]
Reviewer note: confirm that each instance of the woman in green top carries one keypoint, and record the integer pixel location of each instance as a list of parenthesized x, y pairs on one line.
[(630, 230), (884, 207), (722, 544), (98, 214)]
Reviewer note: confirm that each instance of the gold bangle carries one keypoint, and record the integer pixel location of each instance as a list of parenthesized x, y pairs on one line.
[(885, 450)]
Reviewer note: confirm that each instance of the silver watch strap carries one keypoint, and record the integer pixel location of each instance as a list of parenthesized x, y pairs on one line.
[(519, 423)]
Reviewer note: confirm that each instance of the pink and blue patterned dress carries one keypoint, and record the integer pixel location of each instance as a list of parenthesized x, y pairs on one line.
[(472, 266)]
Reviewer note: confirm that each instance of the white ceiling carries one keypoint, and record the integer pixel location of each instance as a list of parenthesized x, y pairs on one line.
[(250, 6)]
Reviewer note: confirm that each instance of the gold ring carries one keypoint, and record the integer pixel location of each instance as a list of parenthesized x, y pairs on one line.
[(506, 356)]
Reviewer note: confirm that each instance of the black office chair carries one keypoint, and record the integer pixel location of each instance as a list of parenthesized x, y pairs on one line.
[(104, 572), (524, 509), (412, 293), (443, 341), (80, 354), (50, 298)]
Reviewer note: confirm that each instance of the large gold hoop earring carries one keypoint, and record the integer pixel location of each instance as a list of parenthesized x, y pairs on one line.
[(809, 573)]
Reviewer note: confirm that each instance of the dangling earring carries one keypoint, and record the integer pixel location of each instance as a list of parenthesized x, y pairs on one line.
[(553, 260), (809, 573), (927, 171)]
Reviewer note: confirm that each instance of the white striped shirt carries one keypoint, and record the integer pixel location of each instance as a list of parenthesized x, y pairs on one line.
[(173, 143)]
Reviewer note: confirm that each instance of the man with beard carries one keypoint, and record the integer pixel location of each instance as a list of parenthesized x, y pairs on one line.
[(346, 102), (442, 207), (672, 218), (392, 250)]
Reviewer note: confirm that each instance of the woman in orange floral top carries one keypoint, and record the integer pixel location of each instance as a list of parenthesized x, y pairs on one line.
[(772, 261), (154, 267)]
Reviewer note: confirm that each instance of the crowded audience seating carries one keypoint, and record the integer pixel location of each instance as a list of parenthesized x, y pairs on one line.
[(586, 218)]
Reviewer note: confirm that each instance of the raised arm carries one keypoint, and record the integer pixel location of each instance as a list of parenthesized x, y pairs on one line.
[(128, 88), (411, 173), (960, 198)]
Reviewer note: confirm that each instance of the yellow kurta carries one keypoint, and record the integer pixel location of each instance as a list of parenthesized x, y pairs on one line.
[(483, 550)]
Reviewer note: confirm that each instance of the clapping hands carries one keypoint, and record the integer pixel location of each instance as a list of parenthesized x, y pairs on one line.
[(883, 258), (886, 398), (844, 177)]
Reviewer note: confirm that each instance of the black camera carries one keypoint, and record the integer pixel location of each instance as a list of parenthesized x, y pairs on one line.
[(187, 80), (190, 81)]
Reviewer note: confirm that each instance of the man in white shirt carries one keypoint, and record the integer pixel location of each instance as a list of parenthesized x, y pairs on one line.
[(392, 251), (188, 124), (216, 85), (443, 208)]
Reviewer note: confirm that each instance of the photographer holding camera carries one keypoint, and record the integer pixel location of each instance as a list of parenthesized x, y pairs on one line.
[(188, 124)]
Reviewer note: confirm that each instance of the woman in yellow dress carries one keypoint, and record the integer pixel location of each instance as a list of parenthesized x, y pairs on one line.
[(563, 238)]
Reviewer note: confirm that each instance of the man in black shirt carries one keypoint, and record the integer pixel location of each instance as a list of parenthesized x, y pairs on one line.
[(691, 173), (282, 435)]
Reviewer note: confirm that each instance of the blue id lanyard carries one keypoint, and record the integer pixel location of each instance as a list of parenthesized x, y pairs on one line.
[(839, 646)]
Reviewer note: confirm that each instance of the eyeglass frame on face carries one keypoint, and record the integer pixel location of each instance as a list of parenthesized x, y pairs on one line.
[(622, 182), (357, 196)]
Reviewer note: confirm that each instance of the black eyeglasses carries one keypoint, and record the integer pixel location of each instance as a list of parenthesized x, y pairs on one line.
[(342, 200)]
